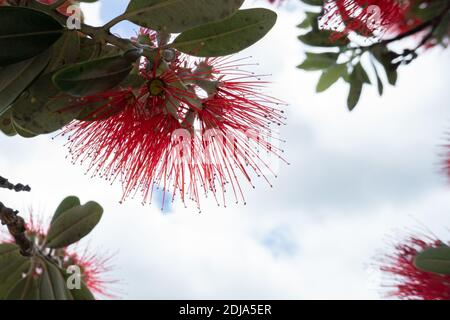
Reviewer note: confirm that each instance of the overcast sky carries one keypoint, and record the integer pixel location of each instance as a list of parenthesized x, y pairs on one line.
[(355, 180)]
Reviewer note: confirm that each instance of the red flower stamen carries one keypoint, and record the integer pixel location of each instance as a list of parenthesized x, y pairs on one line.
[(405, 281), (368, 18), (147, 138)]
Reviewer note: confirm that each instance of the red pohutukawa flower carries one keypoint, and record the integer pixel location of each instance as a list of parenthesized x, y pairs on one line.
[(369, 18), (405, 281), (94, 268), (236, 124), (168, 133)]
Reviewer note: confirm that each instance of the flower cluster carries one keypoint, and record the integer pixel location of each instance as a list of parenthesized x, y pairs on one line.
[(192, 126), (369, 18), (405, 281)]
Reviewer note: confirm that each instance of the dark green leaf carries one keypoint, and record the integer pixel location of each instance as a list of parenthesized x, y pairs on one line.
[(83, 293), (228, 36), (66, 204), (323, 38), (318, 61), (330, 76), (356, 85), (6, 125), (87, 78), (362, 74), (314, 2), (379, 82), (25, 33), (385, 58), (24, 133), (73, 225), (65, 51), (175, 16), (52, 284), (435, 260), (43, 108), (26, 289), (12, 267), (14, 79)]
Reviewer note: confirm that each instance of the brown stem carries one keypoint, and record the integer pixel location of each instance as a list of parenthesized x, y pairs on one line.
[(17, 228)]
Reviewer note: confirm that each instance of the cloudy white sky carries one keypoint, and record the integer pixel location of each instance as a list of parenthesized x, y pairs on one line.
[(355, 179)]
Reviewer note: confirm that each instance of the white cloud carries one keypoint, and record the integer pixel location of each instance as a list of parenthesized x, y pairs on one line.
[(353, 178), (92, 13)]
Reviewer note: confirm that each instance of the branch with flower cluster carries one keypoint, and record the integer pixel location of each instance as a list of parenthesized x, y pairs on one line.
[(353, 36)]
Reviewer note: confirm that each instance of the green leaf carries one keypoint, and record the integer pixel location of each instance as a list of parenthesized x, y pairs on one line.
[(99, 75), (330, 76), (428, 12), (73, 225), (14, 79), (12, 267), (66, 204), (385, 58), (7, 251), (318, 61), (52, 284), (25, 33), (356, 85), (26, 289), (441, 31), (91, 49), (175, 16), (24, 133), (314, 2), (361, 73), (323, 38), (83, 293), (65, 51), (357, 79), (229, 36), (43, 108), (379, 82), (435, 260), (6, 125)]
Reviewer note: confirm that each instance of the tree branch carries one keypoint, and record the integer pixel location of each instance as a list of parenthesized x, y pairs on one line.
[(16, 225), (17, 228), (4, 183)]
